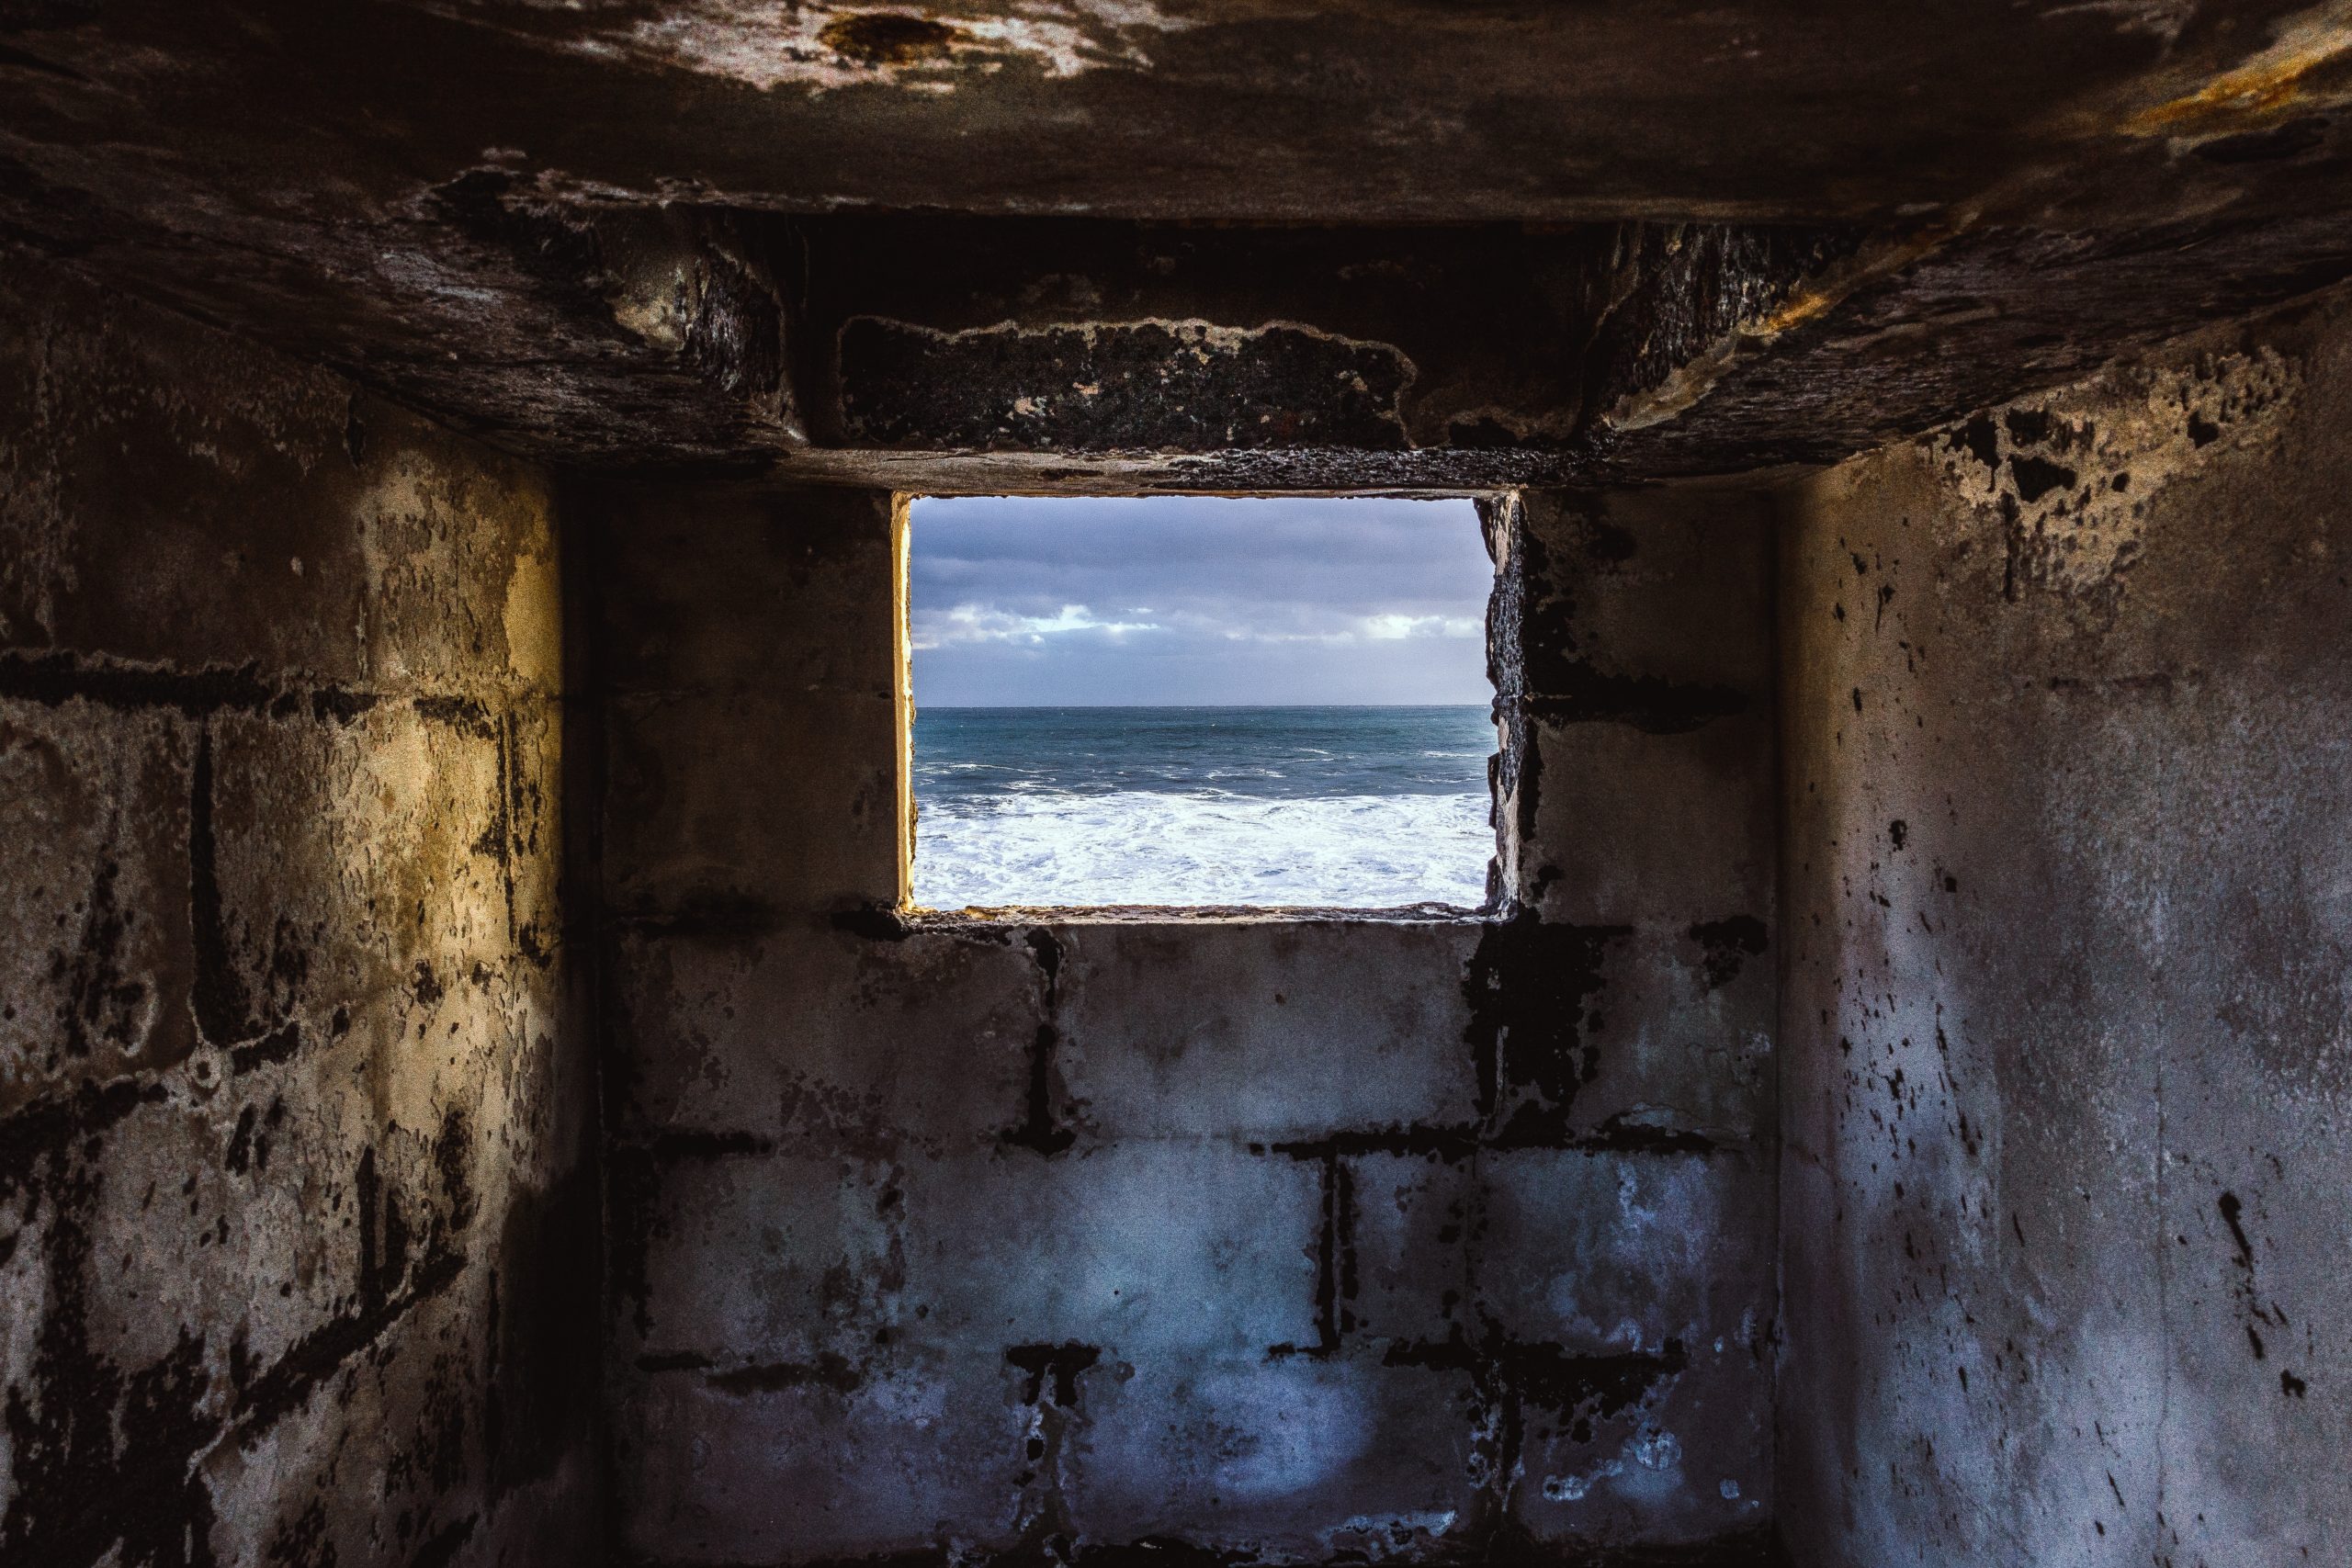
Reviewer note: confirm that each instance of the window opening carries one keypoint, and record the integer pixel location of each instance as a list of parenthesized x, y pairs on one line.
[(1199, 701)]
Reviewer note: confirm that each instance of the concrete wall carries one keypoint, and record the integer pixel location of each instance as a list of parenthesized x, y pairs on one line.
[(295, 1232), (1308, 1238), (2064, 1054)]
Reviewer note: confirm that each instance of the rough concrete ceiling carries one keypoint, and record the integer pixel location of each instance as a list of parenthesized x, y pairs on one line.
[(613, 233)]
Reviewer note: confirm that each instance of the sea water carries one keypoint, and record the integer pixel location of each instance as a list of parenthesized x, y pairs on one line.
[(1365, 807)]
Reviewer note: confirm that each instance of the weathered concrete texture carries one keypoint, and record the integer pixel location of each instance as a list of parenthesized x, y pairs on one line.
[(578, 229), (294, 1223), (1631, 638), (750, 658), (2065, 1067), (1965, 319), (1300, 1239), (1467, 344)]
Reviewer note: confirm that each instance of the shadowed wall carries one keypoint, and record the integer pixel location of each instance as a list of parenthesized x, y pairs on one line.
[(2065, 1058), (297, 1235), (1277, 1235)]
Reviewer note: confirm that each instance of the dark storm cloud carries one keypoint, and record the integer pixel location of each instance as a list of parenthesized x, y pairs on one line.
[(1197, 600)]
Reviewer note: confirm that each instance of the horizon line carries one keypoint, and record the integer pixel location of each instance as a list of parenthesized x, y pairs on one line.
[(1016, 706)]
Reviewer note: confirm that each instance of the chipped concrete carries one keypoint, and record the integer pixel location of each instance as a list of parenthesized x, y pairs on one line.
[(769, 45), (1149, 385), (2073, 478)]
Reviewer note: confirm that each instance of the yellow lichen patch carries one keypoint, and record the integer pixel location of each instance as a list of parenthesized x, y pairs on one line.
[(2308, 66)]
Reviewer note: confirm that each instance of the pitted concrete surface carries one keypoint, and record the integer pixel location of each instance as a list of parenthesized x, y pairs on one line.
[(2063, 1053)]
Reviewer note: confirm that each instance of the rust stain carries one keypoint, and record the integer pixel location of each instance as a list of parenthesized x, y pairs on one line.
[(2278, 81), (1692, 381)]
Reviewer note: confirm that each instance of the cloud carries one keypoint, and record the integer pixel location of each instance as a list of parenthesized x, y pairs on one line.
[(987, 623), (1197, 600)]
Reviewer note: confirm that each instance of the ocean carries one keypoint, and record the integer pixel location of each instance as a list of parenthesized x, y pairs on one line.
[(1363, 808)]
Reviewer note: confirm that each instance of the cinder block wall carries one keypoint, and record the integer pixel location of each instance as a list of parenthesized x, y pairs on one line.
[(1299, 1237), (297, 1232), (2067, 1089)]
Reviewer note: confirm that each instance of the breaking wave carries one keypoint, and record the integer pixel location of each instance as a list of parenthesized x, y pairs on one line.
[(1157, 847)]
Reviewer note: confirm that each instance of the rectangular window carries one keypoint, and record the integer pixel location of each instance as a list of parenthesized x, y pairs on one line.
[(1199, 701)]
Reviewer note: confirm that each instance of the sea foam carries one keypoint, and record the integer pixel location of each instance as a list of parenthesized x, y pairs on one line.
[(1156, 847)]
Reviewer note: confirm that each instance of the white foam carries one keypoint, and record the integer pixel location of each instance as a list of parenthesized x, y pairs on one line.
[(1356, 851)]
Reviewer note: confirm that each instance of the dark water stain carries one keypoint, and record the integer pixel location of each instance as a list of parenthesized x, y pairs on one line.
[(1528, 986), (1336, 1281), (1053, 1367), (55, 679), (280, 1044), (1727, 945), (2231, 1208), (102, 999), (1040, 1128), (441, 1547), (828, 1370), (1514, 1381)]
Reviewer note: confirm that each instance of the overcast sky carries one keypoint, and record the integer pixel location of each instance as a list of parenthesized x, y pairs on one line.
[(1175, 600)]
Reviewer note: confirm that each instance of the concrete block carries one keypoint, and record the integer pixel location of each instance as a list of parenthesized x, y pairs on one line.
[(383, 1459), (1411, 1223), (1688, 1460), (1674, 584), (835, 1041), (1288, 1460), (911, 1454), (95, 964), (1141, 1249), (1679, 1036), (772, 1259), (461, 584), (786, 799), (1265, 1031), (1620, 1031), (1609, 1253), (713, 589), (358, 886), (1636, 828), (156, 516)]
